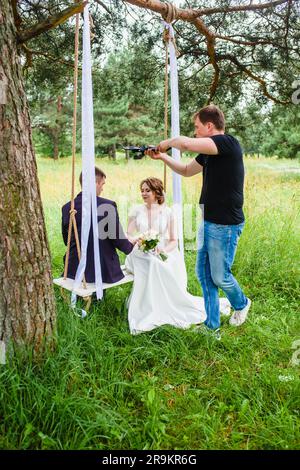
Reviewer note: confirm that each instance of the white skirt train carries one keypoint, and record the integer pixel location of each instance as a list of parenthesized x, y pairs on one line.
[(159, 295)]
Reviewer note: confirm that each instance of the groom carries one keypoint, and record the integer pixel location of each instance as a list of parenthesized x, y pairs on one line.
[(111, 236), (220, 159)]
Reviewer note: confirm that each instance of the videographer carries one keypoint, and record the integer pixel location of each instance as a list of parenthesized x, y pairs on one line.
[(220, 159)]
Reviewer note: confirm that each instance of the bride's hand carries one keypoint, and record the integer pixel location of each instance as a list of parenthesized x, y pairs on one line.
[(136, 241), (133, 240)]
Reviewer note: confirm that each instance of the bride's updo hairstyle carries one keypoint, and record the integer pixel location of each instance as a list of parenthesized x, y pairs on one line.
[(156, 185)]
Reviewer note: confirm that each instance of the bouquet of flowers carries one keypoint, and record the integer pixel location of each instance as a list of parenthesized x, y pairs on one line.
[(148, 242)]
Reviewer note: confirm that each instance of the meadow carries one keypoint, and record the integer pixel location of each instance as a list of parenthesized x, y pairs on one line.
[(102, 388)]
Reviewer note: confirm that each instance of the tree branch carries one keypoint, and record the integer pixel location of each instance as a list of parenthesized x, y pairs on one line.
[(50, 22), (250, 7), (30, 52), (211, 42), (17, 17), (287, 23), (191, 13), (250, 74), (103, 6), (242, 42), (258, 42)]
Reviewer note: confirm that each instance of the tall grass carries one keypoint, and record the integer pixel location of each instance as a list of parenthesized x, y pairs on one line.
[(168, 389)]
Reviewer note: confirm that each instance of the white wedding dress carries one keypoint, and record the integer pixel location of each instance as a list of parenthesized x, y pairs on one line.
[(159, 295)]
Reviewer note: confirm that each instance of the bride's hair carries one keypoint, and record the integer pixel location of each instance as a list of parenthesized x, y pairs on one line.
[(156, 185)]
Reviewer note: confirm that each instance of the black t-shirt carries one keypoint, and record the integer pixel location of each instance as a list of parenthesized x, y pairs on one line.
[(223, 182)]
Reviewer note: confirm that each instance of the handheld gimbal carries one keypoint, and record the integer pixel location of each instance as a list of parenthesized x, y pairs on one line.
[(140, 151)]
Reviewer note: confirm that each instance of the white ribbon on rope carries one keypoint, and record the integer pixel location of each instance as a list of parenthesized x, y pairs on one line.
[(89, 201), (175, 132)]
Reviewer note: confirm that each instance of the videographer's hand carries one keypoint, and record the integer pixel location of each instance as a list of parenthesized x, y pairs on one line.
[(154, 154), (163, 146)]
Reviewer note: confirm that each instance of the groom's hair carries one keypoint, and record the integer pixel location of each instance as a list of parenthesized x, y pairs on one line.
[(211, 113), (98, 173), (156, 185)]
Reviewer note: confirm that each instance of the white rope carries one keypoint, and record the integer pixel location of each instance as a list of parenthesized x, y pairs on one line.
[(89, 202), (175, 132)]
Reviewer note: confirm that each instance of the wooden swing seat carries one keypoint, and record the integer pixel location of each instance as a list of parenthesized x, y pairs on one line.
[(90, 287)]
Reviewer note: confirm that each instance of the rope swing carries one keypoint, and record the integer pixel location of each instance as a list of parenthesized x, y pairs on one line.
[(166, 38), (72, 220), (89, 200), (89, 206)]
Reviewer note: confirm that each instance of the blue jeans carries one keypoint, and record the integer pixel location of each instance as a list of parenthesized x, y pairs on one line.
[(217, 246)]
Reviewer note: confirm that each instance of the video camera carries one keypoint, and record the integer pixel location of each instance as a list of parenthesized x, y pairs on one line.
[(139, 152)]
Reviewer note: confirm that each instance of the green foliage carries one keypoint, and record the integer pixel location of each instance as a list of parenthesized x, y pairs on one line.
[(128, 75), (129, 109), (122, 124), (248, 124), (282, 133), (124, 100), (51, 120), (125, 104)]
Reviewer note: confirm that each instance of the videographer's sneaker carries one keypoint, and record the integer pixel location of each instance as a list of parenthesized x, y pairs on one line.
[(239, 316)]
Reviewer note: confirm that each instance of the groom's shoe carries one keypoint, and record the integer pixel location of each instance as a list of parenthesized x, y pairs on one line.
[(239, 316)]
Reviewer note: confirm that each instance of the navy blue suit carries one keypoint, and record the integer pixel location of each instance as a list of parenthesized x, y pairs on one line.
[(110, 229)]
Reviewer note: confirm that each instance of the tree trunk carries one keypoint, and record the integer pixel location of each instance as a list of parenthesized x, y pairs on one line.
[(27, 307), (114, 151), (56, 131), (55, 135)]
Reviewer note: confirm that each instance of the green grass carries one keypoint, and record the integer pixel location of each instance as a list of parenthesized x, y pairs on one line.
[(169, 389)]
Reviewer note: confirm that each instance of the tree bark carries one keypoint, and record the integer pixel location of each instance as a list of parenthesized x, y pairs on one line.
[(55, 143), (112, 152), (27, 307)]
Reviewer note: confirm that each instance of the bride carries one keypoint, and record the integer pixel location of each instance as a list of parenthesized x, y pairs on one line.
[(159, 295)]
